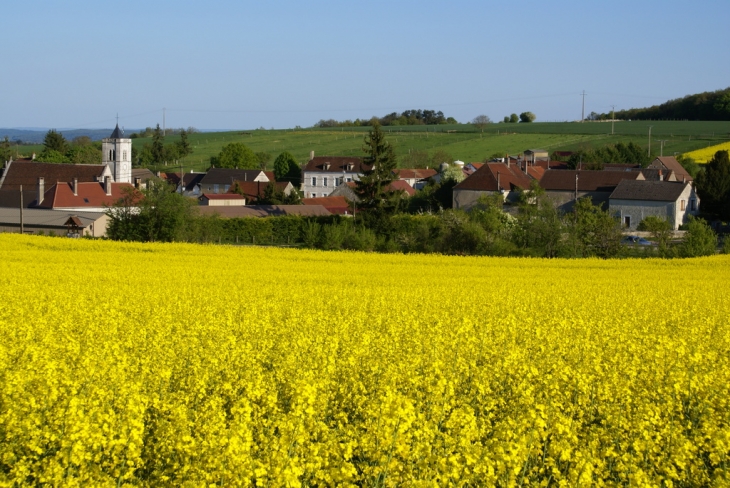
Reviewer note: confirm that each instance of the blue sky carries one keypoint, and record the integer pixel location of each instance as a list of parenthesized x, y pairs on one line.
[(243, 65)]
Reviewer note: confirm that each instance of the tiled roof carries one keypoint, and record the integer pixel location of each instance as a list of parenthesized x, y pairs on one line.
[(143, 173), (222, 196), (263, 211), (547, 164), (190, 179), (485, 178), (226, 176), (588, 180), (671, 163), (658, 191), (337, 164), (400, 185), (27, 173), (335, 205), (256, 189), (536, 172), (418, 174), (90, 195)]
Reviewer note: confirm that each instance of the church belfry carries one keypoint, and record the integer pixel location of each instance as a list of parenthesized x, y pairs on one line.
[(117, 154)]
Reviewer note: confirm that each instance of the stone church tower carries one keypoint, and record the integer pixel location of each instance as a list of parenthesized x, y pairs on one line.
[(117, 154)]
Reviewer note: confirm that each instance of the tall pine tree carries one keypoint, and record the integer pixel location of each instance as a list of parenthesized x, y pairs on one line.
[(373, 188)]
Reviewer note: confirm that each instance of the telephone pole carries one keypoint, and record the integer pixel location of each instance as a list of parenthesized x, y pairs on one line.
[(22, 230), (163, 121), (661, 147), (648, 151), (583, 109)]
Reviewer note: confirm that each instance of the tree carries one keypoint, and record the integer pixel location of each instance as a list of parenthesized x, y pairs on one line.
[(481, 121), (157, 151), (286, 168), (236, 155), (660, 228), (372, 187), (513, 119), (597, 233), (263, 158), (713, 186), (183, 145), (6, 151), (84, 154), (54, 141), (700, 239), (539, 224), (527, 117), (506, 119)]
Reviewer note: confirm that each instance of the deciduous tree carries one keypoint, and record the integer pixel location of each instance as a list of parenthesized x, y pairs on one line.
[(236, 155), (481, 121)]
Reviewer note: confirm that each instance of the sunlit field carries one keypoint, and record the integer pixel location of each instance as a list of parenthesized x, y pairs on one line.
[(172, 364), (704, 155)]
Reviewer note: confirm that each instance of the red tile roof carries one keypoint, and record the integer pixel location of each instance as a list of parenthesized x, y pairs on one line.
[(222, 196), (255, 189), (485, 178), (400, 185), (335, 205), (671, 163), (61, 195)]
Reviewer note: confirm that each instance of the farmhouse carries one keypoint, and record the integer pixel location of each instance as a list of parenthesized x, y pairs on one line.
[(322, 174), (632, 201), (222, 200), (59, 222), (566, 186), (220, 180), (83, 197), (669, 163), (416, 178)]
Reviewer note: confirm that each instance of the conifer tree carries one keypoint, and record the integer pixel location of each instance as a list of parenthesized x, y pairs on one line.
[(373, 187)]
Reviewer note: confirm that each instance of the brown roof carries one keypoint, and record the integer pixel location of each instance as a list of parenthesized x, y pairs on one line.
[(658, 191), (588, 180), (263, 211), (335, 205), (26, 173), (337, 164), (485, 178), (671, 163), (190, 179), (536, 172), (547, 164), (61, 195), (419, 174), (222, 196), (256, 189), (400, 185), (226, 176)]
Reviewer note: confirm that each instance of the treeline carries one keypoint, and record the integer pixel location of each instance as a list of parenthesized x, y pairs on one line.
[(408, 117), (537, 229), (56, 149), (713, 105)]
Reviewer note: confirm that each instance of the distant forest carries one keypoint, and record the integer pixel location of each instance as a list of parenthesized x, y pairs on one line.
[(409, 117), (702, 106)]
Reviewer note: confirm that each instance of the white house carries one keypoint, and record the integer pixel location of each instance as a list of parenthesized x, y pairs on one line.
[(323, 174), (634, 200)]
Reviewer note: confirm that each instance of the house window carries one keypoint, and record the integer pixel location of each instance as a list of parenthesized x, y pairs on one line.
[(225, 188), (314, 195), (349, 179), (693, 205), (324, 181), (682, 205), (314, 181), (627, 221), (215, 188)]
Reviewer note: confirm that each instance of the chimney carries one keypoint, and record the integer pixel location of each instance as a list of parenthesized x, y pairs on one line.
[(311, 155), (32, 158), (41, 190), (108, 185), (499, 185), (508, 163), (660, 175), (76, 187)]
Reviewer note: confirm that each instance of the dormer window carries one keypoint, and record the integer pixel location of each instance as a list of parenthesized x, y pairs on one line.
[(350, 166), (326, 166)]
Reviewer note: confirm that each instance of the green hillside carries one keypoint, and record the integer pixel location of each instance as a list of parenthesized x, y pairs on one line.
[(461, 141)]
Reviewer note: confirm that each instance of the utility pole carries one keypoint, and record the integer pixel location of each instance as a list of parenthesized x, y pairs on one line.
[(182, 179), (613, 107), (648, 151), (163, 121), (583, 109), (22, 230), (661, 147)]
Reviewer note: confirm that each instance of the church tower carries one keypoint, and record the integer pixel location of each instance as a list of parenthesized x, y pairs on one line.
[(117, 154)]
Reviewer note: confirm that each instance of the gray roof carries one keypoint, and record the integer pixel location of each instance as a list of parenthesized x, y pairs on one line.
[(226, 176), (117, 134), (47, 218), (658, 191)]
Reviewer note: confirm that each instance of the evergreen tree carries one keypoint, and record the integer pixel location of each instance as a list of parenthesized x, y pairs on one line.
[(713, 186), (6, 151), (54, 141), (158, 146), (373, 186), (286, 168), (183, 145)]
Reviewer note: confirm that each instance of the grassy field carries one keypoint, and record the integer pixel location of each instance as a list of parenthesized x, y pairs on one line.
[(463, 142)]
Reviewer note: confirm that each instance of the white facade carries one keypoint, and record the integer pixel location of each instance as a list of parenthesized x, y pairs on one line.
[(322, 183), (117, 155)]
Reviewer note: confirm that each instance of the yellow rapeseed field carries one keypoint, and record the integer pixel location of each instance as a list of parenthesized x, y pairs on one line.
[(184, 365), (704, 155)]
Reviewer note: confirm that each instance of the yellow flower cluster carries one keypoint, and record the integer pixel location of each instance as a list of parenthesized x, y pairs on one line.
[(704, 155), (183, 365)]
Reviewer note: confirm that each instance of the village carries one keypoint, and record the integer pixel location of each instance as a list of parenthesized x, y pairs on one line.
[(75, 199)]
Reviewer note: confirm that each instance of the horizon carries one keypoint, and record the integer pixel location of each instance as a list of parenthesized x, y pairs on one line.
[(283, 64)]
